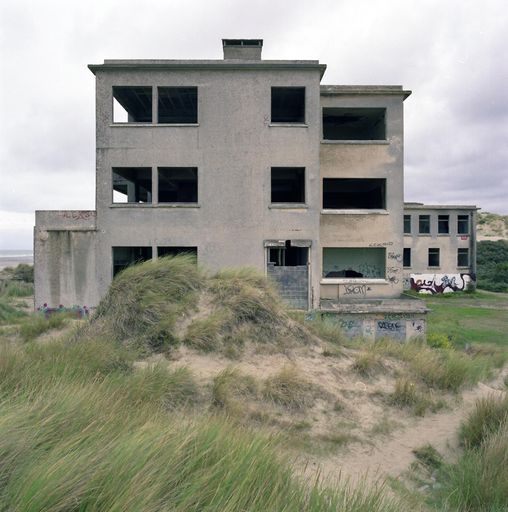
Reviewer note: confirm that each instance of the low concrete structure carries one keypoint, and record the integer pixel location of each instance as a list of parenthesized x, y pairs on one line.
[(242, 162), (439, 247)]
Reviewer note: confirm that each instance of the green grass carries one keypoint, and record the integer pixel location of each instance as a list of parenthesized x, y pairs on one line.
[(10, 314), (16, 289), (35, 325), (80, 429), (479, 480)]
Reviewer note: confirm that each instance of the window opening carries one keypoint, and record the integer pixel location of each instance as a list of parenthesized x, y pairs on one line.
[(288, 185), (424, 224), (132, 104), (407, 224), (406, 257), (177, 105), (132, 185), (288, 104), (433, 257), (288, 256), (124, 257), (443, 224), (178, 184), (351, 193), (359, 262), (463, 224), (175, 250), (354, 124), (463, 257)]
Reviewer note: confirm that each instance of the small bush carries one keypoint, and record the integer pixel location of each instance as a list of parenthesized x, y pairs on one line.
[(24, 272), (289, 389), (9, 314), (439, 340), (407, 395), (367, 363), (326, 329), (488, 416), (204, 334)]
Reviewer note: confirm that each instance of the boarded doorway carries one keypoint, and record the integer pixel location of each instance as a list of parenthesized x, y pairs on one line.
[(288, 267)]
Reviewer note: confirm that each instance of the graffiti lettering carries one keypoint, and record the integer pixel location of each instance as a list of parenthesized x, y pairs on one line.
[(395, 256), (78, 214), (381, 244), (358, 289), (441, 283), (389, 326)]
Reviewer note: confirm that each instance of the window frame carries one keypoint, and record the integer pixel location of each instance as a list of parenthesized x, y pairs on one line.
[(436, 253), (420, 218), (443, 218), (410, 220), (290, 122), (463, 217), (289, 203), (165, 203), (463, 250), (406, 251), (177, 123)]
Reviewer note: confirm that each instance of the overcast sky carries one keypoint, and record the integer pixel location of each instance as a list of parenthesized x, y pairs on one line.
[(453, 55)]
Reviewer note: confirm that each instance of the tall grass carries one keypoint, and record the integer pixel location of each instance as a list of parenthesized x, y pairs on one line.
[(81, 430), (479, 480), (16, 289)]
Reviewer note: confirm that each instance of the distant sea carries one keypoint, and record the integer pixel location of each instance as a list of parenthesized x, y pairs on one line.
[(14, 257)]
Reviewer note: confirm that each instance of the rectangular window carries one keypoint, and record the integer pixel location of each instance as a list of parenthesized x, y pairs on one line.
[(123, 257), (354, 124), (132, 185), (288, 104), (463, 224), (132, 104), (407, 224), (462, 257), (406, 257), (352, 193), (288, 256), (178, 184), (177, 105), (175, 250), (288, 185), (433, 257), (352, 263), (424, 224), (443, 224)]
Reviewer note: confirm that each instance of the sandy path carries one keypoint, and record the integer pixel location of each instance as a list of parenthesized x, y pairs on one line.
[(392, 456)]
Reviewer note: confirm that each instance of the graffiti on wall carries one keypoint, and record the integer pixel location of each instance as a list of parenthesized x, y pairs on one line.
[(441, 283)]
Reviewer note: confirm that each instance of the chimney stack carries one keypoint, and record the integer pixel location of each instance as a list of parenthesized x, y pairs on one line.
[(242, 49)]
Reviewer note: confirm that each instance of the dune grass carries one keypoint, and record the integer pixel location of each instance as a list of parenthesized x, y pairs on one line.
[(479, 480), (80, 429)]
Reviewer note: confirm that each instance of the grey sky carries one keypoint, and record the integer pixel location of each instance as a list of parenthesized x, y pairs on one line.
[(451, 54)]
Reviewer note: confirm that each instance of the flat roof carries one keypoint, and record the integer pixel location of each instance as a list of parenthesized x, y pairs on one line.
[(353, 90), (421, 206), (215, 65)]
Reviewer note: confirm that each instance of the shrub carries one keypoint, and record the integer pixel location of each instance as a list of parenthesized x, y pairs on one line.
[(439, 340), (289, 389), (367, 363), (37, 324), (428, 456)]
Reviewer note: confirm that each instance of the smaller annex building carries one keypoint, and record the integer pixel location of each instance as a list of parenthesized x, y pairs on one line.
[(439, 254)]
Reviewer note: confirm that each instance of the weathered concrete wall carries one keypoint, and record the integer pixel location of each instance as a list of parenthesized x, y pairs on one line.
[(399, 319), (448, 276), (65, 245), (366, 228), (233, 146)]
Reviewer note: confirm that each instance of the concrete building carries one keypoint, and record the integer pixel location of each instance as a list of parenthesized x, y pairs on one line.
[(243, 162), (439, 247)]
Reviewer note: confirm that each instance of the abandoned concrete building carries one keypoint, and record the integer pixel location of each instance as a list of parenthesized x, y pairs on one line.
[(439, 247), (243, 162)]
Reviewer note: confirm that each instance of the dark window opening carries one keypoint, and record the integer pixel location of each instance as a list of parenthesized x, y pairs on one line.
[(433, 257), (132, 104), (176, 250), (288, 185), (463, 224), (132, 185), (351, 193), (407, 224), (178, 105), (406, 257), (123, 257), (354, 124), (357, 262), (288, 256), (462, 257), (424, 224), (443, 224), (288, 104), (178, 184)]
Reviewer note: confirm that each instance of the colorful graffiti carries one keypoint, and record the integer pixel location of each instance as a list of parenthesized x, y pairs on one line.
[(441, 283)]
